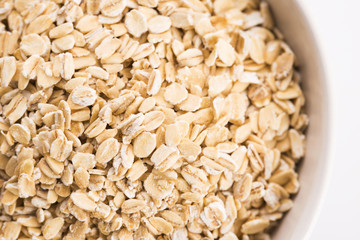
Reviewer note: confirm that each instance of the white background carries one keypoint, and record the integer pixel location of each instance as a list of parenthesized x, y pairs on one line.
[(336, 24)]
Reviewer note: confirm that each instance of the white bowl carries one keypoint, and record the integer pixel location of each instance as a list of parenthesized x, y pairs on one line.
[(314, 169)]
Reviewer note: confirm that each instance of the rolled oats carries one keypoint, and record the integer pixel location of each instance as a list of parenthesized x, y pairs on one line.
[(146, 119), (107, 47), (26, 185), (136, 171), (297, 143), (82, 178), (56, 166), (20, 133), (175, 93), (190, 57), (39, 24), (64, 43), (255, 226), (161, 225), (52, 227), (97, 72), (159, 24), (181, 18), (155, 81), (225, 52), (11, 230), (83, 201), (33, 44), (135, 23), (132, 206), (144, 144), (191, 103), (107, 150), (61, 30)]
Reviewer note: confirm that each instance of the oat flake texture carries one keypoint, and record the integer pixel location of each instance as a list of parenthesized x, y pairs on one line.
[(146, 119)]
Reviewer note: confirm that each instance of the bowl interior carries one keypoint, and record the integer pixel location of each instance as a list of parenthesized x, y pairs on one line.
[(313, 169)]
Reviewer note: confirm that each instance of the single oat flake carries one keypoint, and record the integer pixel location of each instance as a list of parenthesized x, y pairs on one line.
[(146, 119)]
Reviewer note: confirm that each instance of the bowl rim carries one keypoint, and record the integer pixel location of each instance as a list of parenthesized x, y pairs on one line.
[(329, 143)]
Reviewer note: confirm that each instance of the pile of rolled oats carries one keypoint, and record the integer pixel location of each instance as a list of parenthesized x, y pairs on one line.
[(146, 119)]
